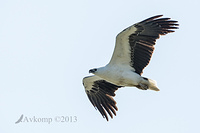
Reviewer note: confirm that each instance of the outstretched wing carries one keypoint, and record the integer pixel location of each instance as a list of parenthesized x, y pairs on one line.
[(100, 93), (135, 45)]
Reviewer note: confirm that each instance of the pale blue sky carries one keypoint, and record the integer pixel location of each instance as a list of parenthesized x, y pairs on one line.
[(47, 47)]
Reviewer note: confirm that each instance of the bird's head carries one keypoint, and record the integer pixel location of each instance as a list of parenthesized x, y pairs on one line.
[(92, 70)]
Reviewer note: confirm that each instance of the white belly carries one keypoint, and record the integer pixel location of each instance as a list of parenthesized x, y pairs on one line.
[(120, 76)]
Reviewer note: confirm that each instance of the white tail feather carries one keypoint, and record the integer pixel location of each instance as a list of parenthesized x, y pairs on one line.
[(153, 85)]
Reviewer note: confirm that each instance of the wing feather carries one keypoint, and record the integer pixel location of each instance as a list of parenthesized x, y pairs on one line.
[(100, 93), (135, 45)]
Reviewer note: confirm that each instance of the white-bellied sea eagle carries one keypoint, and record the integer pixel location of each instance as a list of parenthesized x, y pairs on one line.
[(133, 50)]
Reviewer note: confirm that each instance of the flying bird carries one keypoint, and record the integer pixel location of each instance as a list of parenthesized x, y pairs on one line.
[(133, 50)]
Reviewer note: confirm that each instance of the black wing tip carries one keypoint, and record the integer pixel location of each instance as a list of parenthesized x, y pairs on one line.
[(151, 18), (110, 114), (157, 17), (106, 118), (166, 24)]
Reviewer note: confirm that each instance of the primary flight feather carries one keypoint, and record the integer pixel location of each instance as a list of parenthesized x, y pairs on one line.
[(133, 50)]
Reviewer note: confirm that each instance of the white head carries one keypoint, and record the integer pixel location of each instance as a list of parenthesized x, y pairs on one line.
[(98, 71)]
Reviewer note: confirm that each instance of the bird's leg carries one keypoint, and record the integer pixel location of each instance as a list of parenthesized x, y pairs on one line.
[(142, 86)]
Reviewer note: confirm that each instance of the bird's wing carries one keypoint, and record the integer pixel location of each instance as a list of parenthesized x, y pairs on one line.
[(134, 45), (100, 93)]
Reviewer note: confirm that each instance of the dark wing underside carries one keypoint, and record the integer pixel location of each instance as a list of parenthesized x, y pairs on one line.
[(100, 95), (143, 40)]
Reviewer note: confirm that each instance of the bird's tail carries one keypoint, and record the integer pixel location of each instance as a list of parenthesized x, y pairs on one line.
[(153, 85)]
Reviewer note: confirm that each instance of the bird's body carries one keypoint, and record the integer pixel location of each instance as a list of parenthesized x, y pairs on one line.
[(119, 75), (133, 50)]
